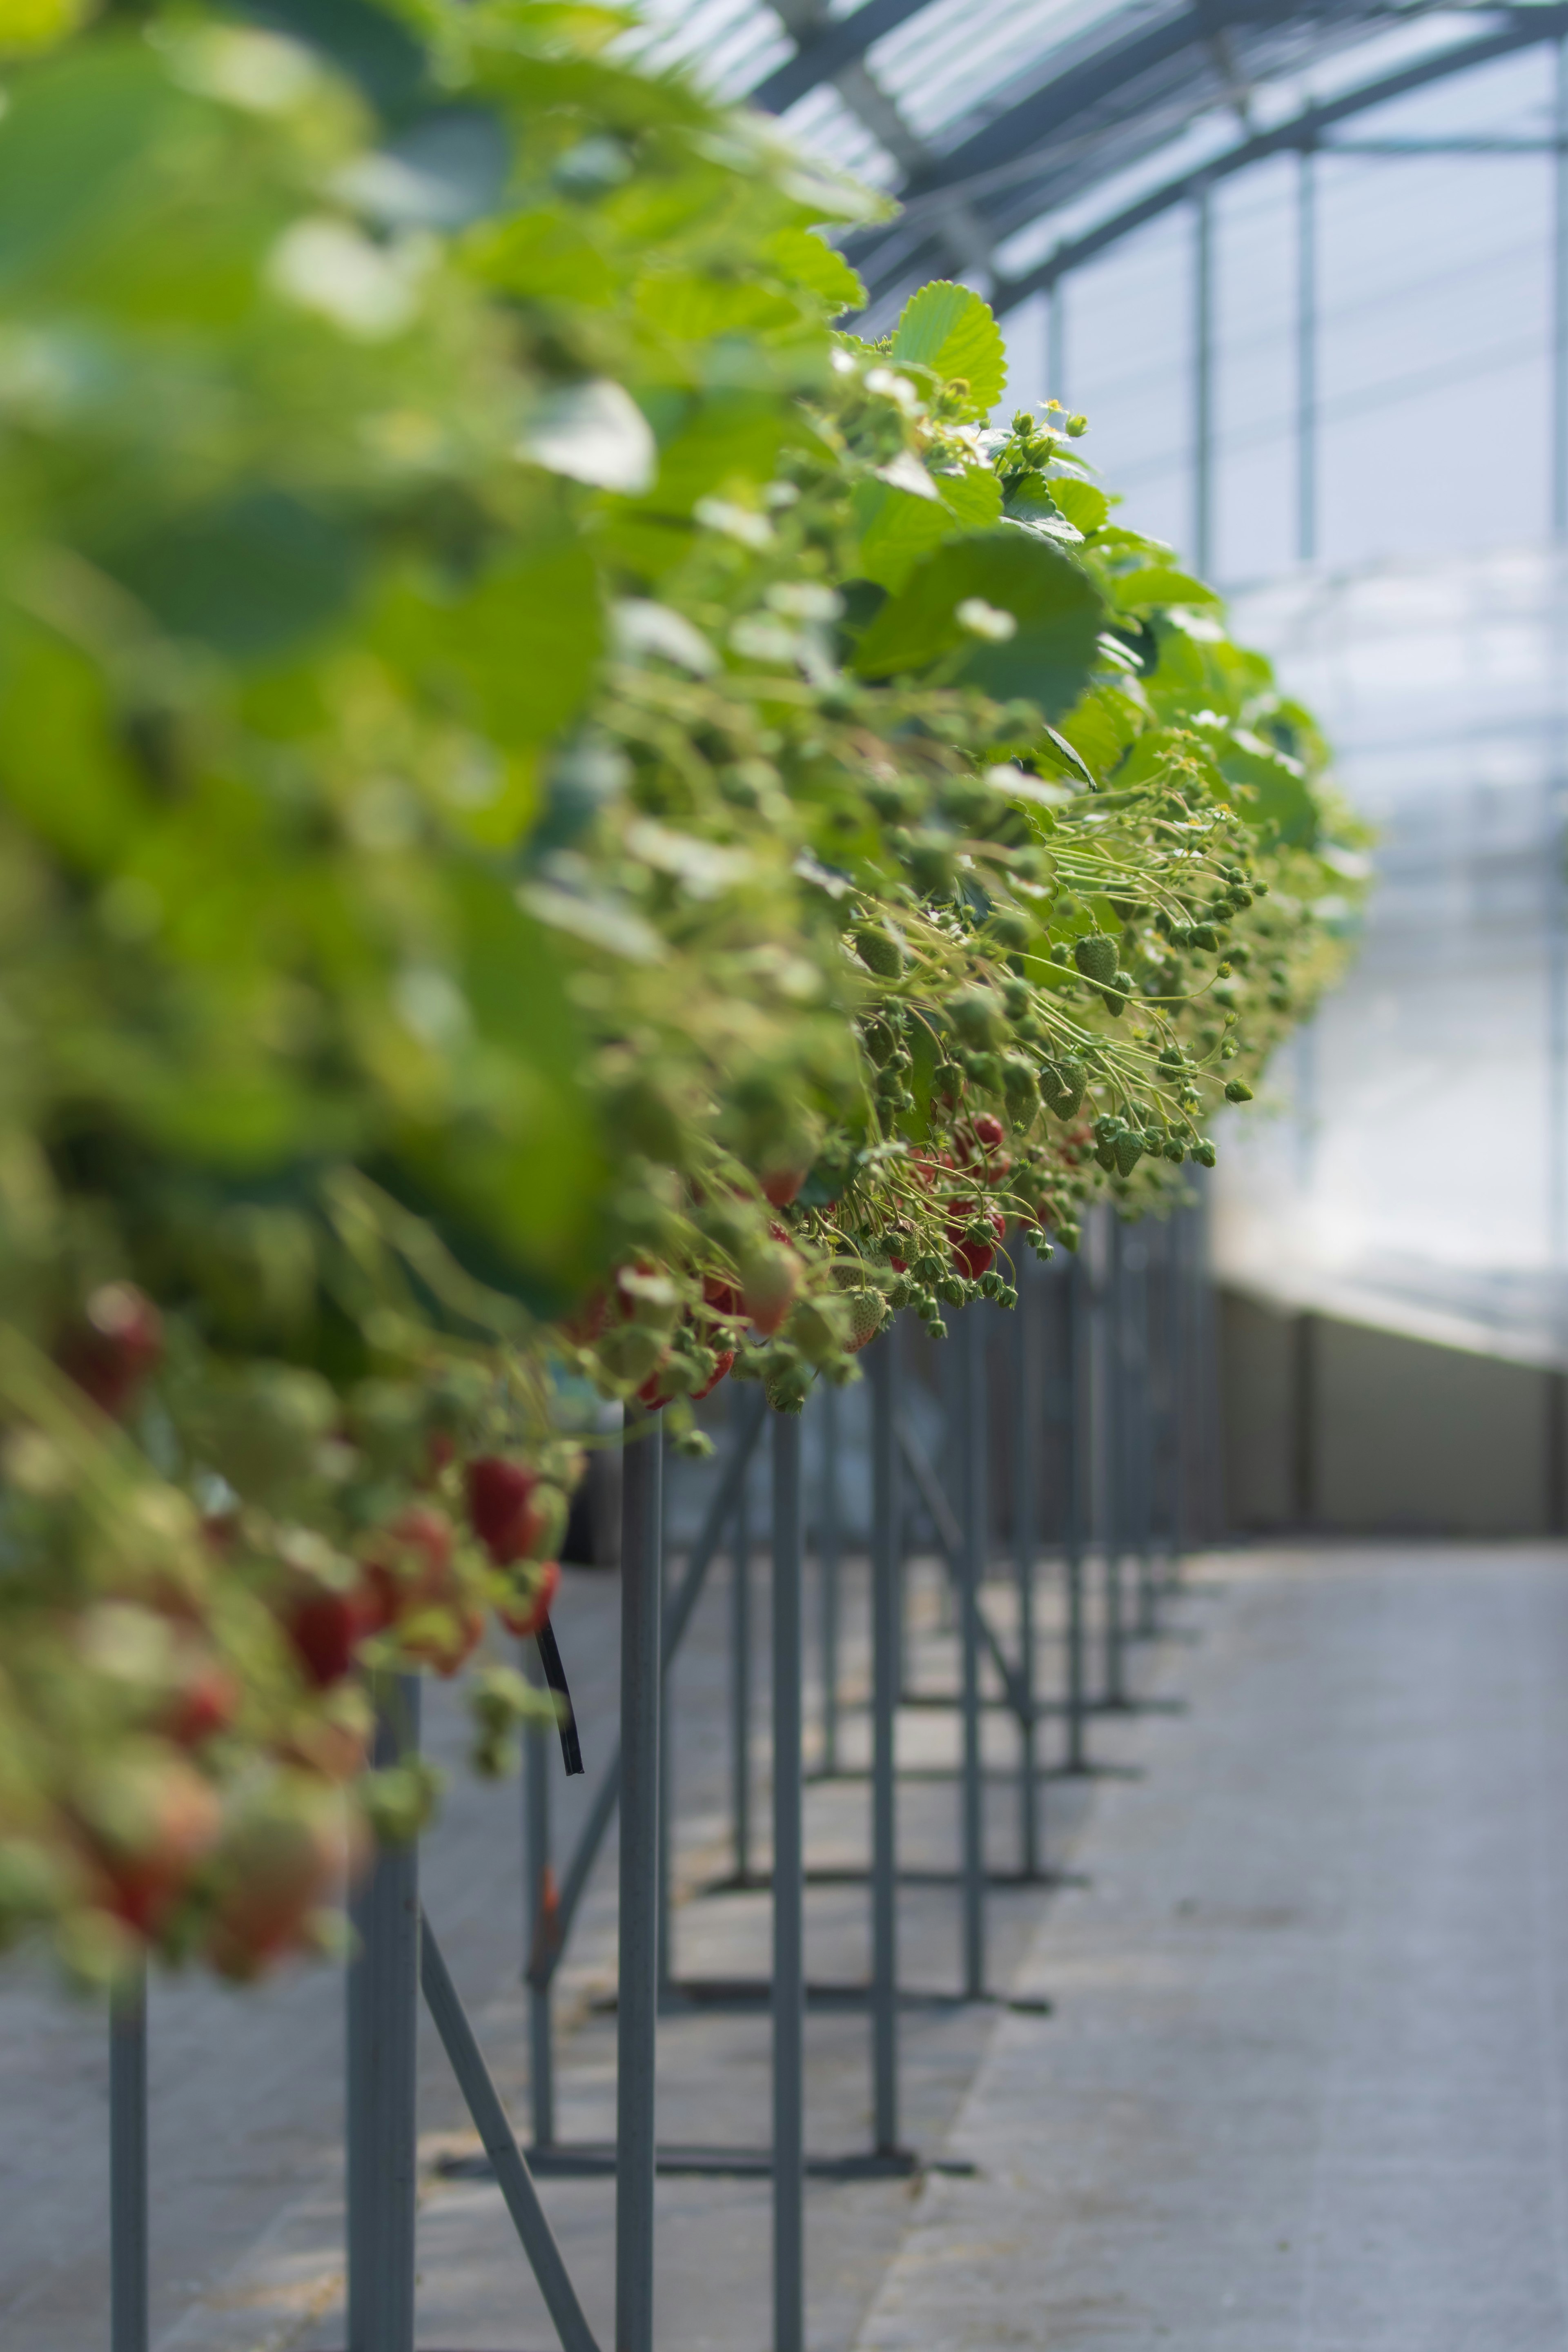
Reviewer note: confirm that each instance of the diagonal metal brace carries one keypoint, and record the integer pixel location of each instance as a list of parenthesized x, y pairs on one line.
[(676, 1618), (949, 1536), (506, 2159)]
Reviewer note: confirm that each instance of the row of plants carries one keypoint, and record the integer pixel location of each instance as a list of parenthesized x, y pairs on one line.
[(567, 828)]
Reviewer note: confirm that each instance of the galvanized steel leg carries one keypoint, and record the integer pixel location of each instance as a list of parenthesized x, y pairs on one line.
[(665, 1968), (383, 2013), (638, 2003), (128, 2200), (542, 1915), (828, 1552), (1113, 1325), (886, 1563), (970, 1435), (741, 1684), (1024, 1436), (512, 2175), (1076, 1306), (789, 1909)]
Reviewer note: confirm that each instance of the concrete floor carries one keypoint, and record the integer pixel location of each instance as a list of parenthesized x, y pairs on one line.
[(1302, 2089)]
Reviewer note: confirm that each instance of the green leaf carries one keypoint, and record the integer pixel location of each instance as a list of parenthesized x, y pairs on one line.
[(1157, 583), (514, 657), (896, 528), (804, 258), (1101, 726), (950, 329), (1055, 605), (250, 577), (1084, 504)]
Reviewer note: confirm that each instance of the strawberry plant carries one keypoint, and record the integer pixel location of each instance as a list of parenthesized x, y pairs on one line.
[(559, 818)]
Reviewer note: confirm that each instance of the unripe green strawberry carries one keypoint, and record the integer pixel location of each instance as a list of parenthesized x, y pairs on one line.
[(867, 1313), (1095, 956), (1062, 1082), (879, 950), (1238, 1091), (1127, 1150), (1022, 1091), (976, 1016), (787, 1388), (1011, 930)]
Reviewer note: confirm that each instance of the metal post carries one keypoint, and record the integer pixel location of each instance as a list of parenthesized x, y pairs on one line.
[(1076, 1530), (1024, 1434), (1056, 341), (1560, 305), (664, 1965), (382, 2015), (828, 1552), (885, 1522), (539, 1924), (637, 2002), (970, 1368), (1112, 1326), (1307, 357), (1141, 1468), (741, 1684), (128, 2203), (789, 1903), (1203, 381)]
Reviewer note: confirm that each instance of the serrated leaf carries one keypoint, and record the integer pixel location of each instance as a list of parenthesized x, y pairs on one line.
[(806, 259), (950, 329), (1085, 506), (1153, 584), (897, 529), (1056, 606)]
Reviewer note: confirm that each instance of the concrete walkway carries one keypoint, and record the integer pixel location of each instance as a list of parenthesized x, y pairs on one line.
[(1302, 2088), (1307, 2082)]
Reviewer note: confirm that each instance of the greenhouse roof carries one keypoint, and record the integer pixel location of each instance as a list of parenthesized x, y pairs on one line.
[(994, 121)]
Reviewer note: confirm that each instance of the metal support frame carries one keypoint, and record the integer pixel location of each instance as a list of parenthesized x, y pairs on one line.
[(1076, 1509), (382, 2013), (129, 2301), (970, 1434), (741, 1684), (789, 1903), (1202, 379), (1307, 355), (1109, 1393), (887, 1520), (538, 1896), (637, 1994), (1023, 1436), (827, 1556), (507, 2161)]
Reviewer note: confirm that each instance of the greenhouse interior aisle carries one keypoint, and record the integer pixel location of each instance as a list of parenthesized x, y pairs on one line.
[(1301, 2087), (1306, 2087)]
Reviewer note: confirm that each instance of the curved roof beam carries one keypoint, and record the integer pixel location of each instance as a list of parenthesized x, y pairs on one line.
[(843, 41), (1526, 28)]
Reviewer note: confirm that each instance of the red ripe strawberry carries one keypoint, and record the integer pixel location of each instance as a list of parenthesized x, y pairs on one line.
[(277, 1862), (151, 1825), (501, 1507), (524, 1613), (721, 1371), (973, 1258), (326, 1627), (723, 1297), (989, 1133), (408, 1562), (205, 1700), (110, 1352), (782, 1185)]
